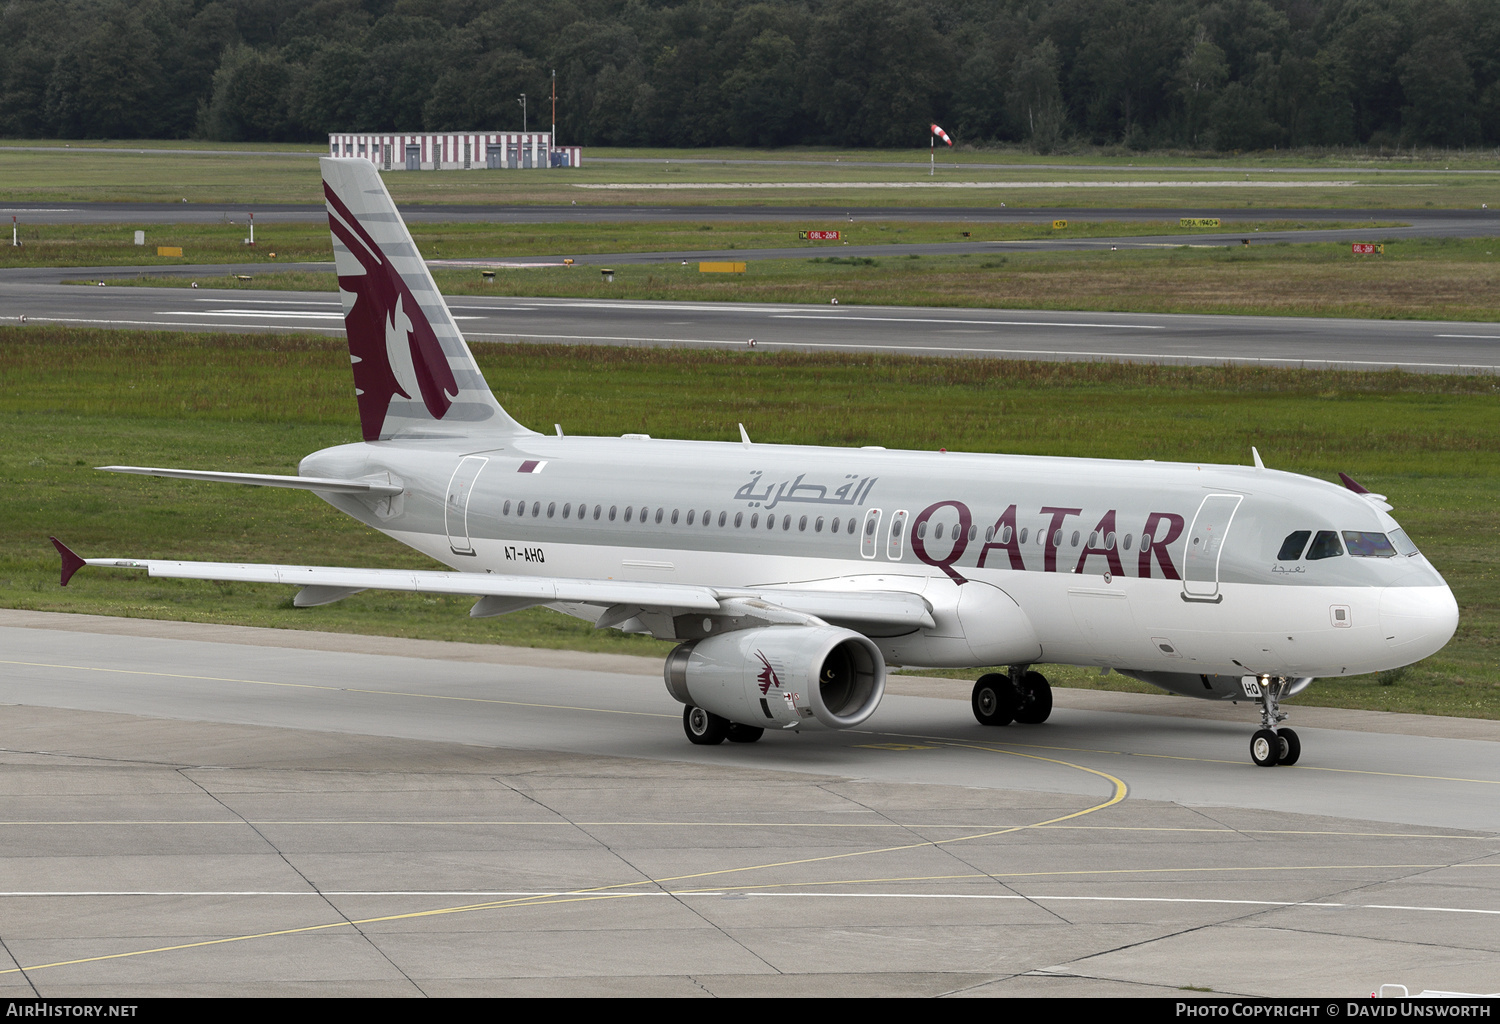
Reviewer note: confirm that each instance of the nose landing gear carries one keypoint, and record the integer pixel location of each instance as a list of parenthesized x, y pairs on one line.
[(1272, 745)]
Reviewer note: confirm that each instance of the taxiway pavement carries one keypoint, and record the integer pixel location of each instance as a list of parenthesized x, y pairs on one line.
[(225, 810)]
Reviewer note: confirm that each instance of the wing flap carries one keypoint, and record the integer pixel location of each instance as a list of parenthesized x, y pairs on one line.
[(867, 607)]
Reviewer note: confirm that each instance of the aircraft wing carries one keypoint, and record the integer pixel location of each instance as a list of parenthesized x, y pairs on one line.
[(619, 600)]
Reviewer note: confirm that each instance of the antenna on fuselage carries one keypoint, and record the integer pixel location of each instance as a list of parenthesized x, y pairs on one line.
[(1256, 456), (744, 437)]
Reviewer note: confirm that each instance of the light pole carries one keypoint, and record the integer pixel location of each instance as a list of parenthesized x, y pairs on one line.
[(522, 101)]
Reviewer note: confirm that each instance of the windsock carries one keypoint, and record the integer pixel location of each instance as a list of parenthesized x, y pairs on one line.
[(941, 134)]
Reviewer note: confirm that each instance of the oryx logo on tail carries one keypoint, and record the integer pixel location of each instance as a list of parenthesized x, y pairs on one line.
[(394, 348)]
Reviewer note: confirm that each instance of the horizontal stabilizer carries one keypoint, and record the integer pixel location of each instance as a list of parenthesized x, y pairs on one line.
[(327, 485)]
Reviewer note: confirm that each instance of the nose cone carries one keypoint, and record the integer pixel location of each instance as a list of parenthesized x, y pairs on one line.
[(1417, 621)]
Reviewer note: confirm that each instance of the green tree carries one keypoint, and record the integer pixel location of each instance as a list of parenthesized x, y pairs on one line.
[(1035, 96), (1200, 76), (1439, 89), (251, 98)]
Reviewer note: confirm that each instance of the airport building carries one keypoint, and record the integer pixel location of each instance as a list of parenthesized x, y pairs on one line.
[(455, 151)]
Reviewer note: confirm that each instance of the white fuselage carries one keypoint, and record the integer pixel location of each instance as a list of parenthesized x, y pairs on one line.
[(1023, 559)]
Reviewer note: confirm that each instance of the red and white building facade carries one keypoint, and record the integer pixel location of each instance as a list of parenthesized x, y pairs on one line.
[(455, 151)]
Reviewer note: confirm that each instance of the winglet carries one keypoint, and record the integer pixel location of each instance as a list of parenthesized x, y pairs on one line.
[(71, 563), (1353, 484)]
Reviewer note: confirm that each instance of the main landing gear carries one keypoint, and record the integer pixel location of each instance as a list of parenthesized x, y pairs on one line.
[(707, 729), (1020, 696), (1272, 745)]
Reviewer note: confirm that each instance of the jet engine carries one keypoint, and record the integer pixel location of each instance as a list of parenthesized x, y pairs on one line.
[(780, 677)]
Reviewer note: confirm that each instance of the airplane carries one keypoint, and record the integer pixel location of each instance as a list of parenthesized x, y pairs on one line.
[(793, 577)]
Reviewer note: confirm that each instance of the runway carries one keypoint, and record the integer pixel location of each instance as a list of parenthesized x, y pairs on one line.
[(1415, 345), (222, 810), (1430, 221)]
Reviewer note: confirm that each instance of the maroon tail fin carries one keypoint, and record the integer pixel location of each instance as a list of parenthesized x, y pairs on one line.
[(414, 375)]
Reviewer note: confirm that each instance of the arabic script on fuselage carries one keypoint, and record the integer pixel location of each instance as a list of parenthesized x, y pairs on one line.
[(853, 491)]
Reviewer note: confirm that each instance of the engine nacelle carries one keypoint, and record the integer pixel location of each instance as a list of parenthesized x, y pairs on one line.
[(777, 677)]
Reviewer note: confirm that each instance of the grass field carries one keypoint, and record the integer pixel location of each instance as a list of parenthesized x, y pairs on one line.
[(89, 245), (1442, 279), (273, 174), (70, 400)]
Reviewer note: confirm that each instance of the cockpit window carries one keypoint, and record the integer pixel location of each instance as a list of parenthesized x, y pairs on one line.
[(1403, 543), (1325, 545), (1291, 548), (1368, 545)]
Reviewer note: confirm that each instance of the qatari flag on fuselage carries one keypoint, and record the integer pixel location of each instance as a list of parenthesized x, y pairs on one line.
[(941, 134)]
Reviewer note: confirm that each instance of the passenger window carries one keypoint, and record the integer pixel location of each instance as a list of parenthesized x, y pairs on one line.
[(1368, 545), (1292, 547), (1325, 545)]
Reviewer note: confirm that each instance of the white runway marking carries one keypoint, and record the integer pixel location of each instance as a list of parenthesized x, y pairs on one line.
[(281, 302), (986, 323), (276, 314), (675, 307), (672, 186)]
